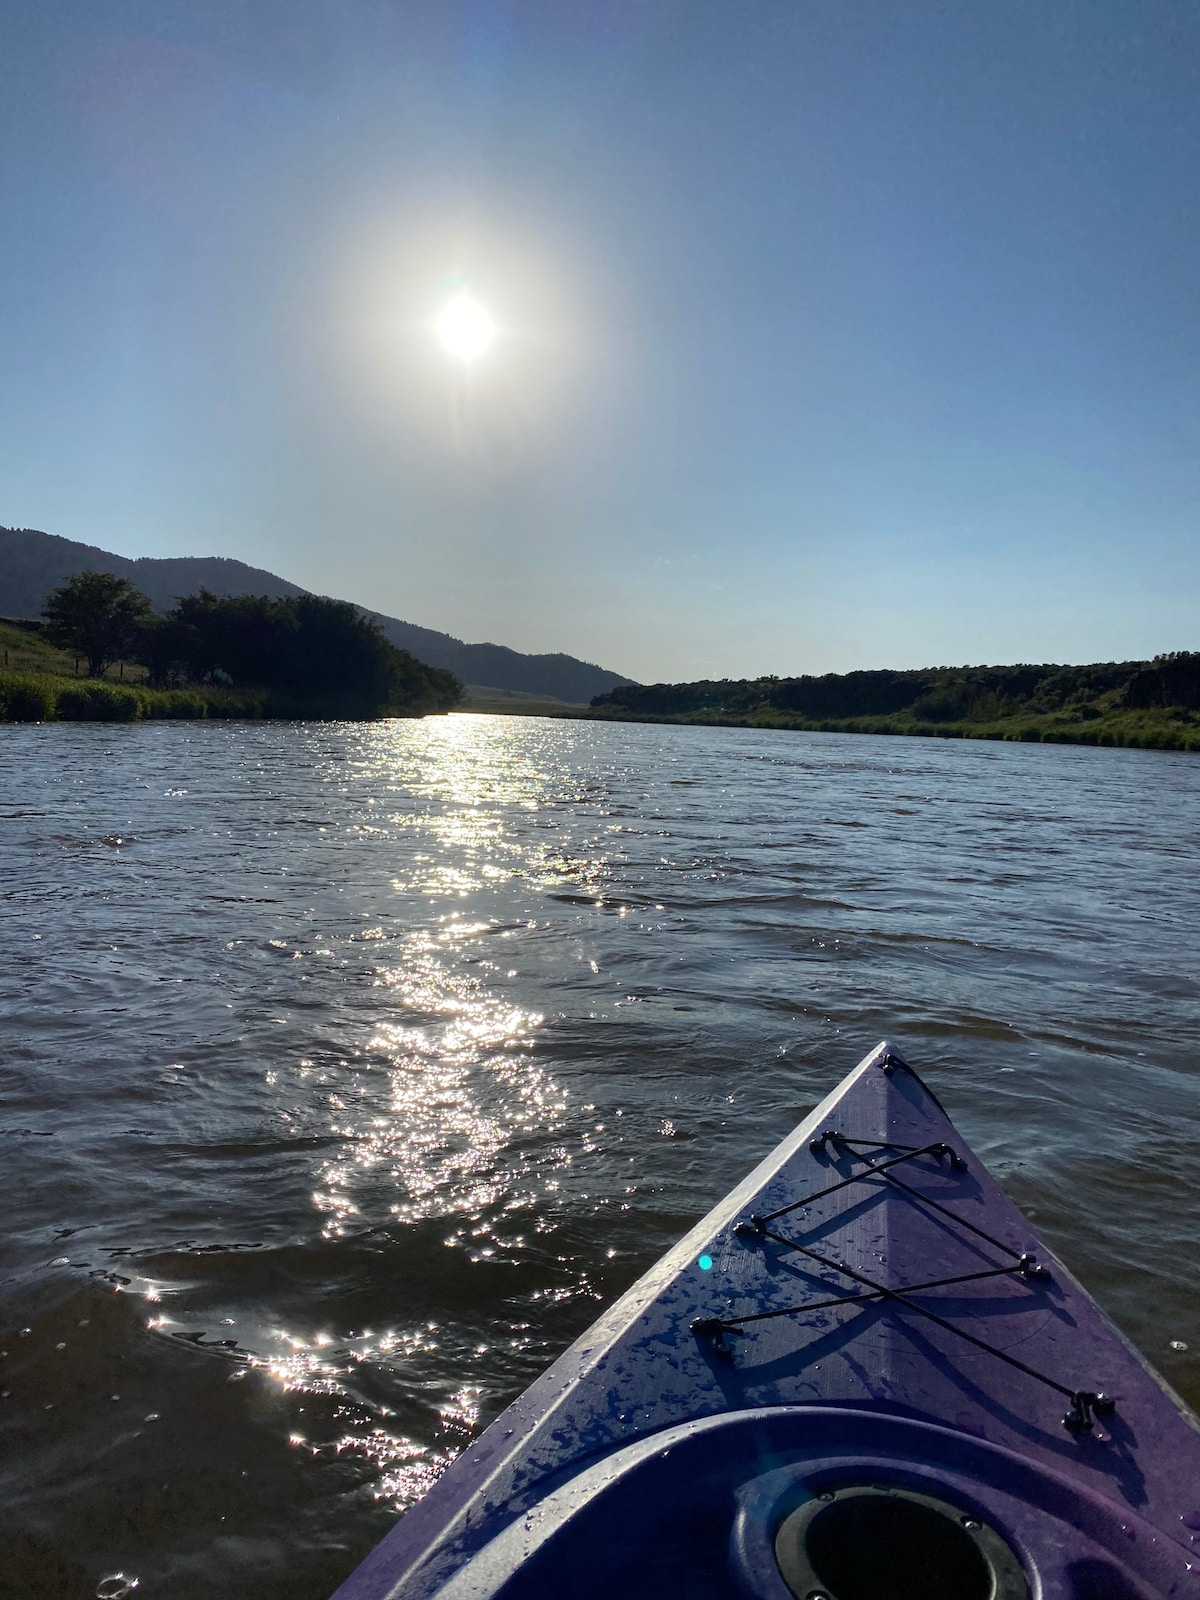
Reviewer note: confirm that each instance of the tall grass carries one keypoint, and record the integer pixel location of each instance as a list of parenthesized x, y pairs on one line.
[(27, 697), (45, 697)]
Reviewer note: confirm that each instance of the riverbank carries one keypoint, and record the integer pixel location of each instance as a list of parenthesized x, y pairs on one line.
[(1151, 729), (48, 697), (1140, 704)]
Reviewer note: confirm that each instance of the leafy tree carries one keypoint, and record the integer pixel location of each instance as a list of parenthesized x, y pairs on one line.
[(321, 655), (98, 615), (1172, 679), (169, 648)]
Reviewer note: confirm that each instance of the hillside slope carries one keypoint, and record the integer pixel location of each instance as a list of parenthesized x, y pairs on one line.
[(32, 563)]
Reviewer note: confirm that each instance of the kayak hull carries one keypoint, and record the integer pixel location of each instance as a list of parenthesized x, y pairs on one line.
[(864, 1337)]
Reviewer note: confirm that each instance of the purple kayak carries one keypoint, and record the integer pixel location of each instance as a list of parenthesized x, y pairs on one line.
[(861, 1377)]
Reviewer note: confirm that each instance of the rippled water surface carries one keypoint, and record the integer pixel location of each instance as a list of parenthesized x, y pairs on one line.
[(347, 1070)]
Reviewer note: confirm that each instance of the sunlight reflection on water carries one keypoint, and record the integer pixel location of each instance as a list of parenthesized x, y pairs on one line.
[(427, 1130), (434, 1130)]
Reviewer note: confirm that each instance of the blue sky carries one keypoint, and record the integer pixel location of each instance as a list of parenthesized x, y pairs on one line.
[(830, 335)]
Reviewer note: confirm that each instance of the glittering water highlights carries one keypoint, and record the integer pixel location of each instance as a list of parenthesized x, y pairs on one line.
[(348, 1069)]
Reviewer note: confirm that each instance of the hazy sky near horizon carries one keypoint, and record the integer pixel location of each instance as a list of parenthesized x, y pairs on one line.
[(829, 334)]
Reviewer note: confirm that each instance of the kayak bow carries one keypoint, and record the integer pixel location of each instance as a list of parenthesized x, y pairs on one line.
[(861, 1377)]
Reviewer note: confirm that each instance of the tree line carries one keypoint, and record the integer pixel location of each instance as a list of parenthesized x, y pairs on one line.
[(931, 694), (323, 655)]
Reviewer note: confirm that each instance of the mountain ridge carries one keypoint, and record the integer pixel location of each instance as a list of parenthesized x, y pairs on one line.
[(32, 563)]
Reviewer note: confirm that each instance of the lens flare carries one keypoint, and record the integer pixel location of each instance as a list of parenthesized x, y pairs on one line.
[(465, 328)]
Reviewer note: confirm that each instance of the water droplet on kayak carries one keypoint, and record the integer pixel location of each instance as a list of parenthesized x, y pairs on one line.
[(1178, 1344), (115, 1587)]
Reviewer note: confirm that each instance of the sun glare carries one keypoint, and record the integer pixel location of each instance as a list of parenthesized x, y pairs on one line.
[(465, 328)]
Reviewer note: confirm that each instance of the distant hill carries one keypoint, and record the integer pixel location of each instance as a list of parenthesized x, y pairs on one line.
[(33, 563)]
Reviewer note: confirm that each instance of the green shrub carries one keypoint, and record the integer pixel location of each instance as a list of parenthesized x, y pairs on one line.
[(94, 700), (941, 704), (188, 703), (226, 703), (26, 697)]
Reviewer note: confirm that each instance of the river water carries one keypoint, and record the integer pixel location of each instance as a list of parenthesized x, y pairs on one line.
[(348, 1069)]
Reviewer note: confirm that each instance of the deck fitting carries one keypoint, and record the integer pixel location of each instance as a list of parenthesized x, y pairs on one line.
[(713, 1328), (1084, 1402)]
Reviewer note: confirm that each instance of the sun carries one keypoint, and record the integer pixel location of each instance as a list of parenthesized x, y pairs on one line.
[(465, 328)]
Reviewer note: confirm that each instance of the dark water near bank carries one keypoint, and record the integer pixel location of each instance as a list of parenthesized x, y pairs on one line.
[(346, 1070)]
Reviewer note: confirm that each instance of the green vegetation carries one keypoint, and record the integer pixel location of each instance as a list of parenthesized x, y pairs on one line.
[(321, 655), (48, 697), (243, 657), (1152, 705)]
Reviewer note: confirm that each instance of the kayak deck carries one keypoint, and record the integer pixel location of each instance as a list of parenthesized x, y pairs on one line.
[(864, 1335)]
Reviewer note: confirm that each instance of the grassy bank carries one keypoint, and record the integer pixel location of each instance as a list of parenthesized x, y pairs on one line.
[(1169, 729), (24, 648), (517, 703), (50, 697)]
